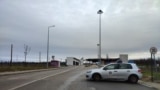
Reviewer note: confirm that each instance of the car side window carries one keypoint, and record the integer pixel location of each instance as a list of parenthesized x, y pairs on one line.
[(129, 66), (125, 66), (111, 67)]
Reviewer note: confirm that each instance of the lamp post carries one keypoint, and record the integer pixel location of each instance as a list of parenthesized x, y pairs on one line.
[(48, 43), (99, 12)]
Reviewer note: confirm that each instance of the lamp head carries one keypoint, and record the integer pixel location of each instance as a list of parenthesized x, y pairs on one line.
[(99, 12)]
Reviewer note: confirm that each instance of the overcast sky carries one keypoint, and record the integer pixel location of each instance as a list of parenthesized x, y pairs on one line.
[(128, 27)]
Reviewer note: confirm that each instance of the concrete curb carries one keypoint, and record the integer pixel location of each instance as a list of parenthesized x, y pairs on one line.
[(27, 71), (150, 84)]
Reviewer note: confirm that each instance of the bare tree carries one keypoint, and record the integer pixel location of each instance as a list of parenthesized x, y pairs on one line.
[(26, 51)]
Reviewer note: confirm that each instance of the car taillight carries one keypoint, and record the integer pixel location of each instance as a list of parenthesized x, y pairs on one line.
[(139, 70)]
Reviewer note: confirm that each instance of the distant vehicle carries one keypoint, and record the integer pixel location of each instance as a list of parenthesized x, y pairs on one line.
[(116, 71)]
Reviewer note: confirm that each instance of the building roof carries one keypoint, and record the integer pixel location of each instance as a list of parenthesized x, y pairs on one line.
[(103, 59)]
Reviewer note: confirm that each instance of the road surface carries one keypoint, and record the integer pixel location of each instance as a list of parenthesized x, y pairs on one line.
[(69, 78)]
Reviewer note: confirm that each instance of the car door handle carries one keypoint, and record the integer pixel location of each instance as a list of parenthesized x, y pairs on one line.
[(110, 72), (115, 71)]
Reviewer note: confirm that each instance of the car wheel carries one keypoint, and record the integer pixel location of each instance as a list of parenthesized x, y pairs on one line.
[(96, 77), (133, 79)]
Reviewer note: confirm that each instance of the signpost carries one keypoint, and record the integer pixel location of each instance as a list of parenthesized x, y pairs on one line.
[(153, 51)]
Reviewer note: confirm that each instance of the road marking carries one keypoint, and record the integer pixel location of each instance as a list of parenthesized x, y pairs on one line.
[(15, 78), (39, 79), (92, 88)]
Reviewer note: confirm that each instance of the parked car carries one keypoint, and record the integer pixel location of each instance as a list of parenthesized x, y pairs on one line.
[(116, 71)]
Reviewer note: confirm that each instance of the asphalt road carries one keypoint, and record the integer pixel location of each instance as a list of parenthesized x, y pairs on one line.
[(70, 78)]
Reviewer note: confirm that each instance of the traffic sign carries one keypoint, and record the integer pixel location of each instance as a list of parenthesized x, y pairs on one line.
[(153, 50)]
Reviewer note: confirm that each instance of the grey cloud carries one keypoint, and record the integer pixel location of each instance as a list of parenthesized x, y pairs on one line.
[(127, 26)]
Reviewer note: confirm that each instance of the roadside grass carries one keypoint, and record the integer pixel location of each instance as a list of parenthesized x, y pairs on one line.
[(20, 68), (146, 71)]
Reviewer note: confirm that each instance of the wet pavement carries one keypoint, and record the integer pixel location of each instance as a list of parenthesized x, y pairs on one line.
[(71, 78)]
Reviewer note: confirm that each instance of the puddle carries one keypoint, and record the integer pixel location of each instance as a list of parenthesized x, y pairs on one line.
[(69, 81)]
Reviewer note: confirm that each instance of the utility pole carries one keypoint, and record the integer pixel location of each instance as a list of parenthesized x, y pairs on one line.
[(107, 57), (39, 57), (100, 12), (11, 54), (48, 43)]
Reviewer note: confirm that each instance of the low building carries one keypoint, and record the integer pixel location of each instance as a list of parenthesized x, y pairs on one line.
[(103, 60), (55, 63), (73, 61), (124, 57)]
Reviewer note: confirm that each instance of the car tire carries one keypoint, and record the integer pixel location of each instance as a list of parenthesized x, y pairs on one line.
[(96, 77), (133, 79)]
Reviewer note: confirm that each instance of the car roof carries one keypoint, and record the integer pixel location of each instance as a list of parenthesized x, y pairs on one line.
[(133, 64), (121, 63)]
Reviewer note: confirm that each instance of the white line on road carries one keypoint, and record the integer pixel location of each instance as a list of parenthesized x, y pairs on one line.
[(38, 80), (92, 88)]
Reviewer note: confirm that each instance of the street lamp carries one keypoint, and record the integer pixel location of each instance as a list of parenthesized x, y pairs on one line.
[(48, 43), (99, 12)]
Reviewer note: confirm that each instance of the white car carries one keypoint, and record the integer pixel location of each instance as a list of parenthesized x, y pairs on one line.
[(116, 71)]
